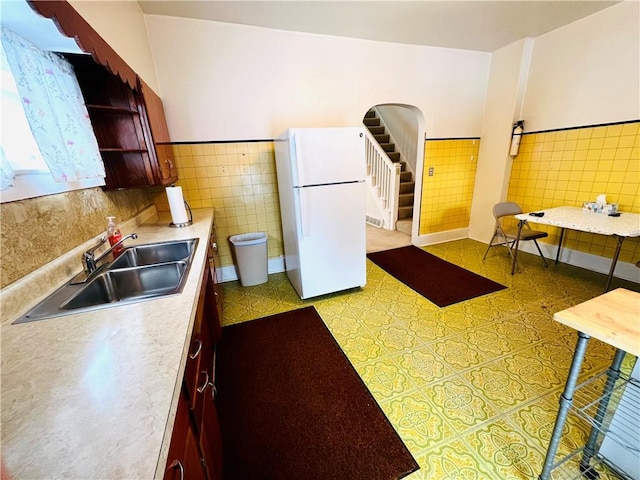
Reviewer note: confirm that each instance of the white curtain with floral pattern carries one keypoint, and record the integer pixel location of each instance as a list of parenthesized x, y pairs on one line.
[(55, 110)]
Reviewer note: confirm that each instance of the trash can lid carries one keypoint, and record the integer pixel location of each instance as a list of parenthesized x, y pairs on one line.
[(248, 238)]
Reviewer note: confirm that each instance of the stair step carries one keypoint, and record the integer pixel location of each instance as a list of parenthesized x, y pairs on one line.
[(405, 177), (405, 199), (370, 114), (394, 156), (407, 187), (388, 147), (382, 138), (379, 130), (372, 122), (405, 212), (405, 225)]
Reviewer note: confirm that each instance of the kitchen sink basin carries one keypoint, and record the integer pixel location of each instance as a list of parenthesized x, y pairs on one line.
[(135, 283), (154, 253), (141, 272)]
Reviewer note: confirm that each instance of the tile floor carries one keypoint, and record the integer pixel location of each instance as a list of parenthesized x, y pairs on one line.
[(472, 389)]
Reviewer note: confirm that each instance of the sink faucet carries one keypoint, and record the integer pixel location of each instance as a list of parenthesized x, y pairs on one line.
[(88, 257)]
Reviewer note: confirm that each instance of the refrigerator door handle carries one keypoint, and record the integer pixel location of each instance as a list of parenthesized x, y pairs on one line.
[(295, 161), (303, 220)]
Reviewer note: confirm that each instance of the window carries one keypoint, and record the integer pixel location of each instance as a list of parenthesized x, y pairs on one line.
[(47, 144)]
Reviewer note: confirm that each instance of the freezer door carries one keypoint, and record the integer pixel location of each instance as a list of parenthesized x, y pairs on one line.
[(327, 155), (331, 239)]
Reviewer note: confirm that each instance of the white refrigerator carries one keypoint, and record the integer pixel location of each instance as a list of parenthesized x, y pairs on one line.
[(321, 174)]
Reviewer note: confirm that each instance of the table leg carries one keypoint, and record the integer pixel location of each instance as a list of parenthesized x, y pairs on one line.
[(566, 399), (560, 244), (613, 262), (517, 244), (589, 449)]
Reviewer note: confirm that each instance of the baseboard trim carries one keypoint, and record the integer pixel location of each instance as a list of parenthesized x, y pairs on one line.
[(624, 270), (441, 237)]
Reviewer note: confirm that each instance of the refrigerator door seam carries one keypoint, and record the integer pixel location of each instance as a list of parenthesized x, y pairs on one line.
[(327, 184)]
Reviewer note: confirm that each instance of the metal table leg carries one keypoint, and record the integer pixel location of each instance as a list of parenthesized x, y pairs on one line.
[(613, 262), (517, 244), (566, 399), (560, 244)]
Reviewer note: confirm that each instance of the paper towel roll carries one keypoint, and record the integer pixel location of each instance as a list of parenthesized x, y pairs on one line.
[(176, 205)]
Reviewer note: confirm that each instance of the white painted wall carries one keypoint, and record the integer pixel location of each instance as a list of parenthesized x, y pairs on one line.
[(121, 24), (586, 73), (509, 67), (234, 82)]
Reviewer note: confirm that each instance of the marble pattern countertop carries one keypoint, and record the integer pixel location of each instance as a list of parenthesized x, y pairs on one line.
[(93, 395), (574, 218)]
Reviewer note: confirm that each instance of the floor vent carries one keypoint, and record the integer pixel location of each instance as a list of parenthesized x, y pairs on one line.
[(376, 222)]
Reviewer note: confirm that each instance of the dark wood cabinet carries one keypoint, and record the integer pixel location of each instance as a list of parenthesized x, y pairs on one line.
[(184, 461), (199, 384), (129, 125)]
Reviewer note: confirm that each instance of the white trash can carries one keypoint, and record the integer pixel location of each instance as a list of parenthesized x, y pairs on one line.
[(251, 257)]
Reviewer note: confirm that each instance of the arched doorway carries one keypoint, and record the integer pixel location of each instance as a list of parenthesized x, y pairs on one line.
[(404, 129)]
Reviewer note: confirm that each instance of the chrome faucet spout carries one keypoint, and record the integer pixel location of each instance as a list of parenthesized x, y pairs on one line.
[(89, 260)]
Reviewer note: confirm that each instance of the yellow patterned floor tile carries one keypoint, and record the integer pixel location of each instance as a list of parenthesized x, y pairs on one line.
[(376, 318), (457, 353), (487, 341), (539, 376), (502, 389), (429, 329), (459, 320), (385, 378), (416, 421), (343, 325), (424, 366), (460, 404), (537, 420), (451, 461), (509, 455), (361, 348), (396, 338)]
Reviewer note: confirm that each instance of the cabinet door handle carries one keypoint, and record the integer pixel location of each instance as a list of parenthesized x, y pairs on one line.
[(214, 247), (193, 355), (206, 382), (176, 464), (170, 163), (214, 391), (217, 297)]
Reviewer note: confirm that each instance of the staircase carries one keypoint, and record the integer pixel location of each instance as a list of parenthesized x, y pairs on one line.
[(407, 185)]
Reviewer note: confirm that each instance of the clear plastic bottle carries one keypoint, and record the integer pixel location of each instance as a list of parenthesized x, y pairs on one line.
[(114, 235)]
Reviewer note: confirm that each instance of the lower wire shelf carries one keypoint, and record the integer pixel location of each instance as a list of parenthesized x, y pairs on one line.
[(619, 422), (599, 468), (623, 404)]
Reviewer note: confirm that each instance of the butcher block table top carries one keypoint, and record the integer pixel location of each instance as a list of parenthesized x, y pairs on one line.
[(613, 317)]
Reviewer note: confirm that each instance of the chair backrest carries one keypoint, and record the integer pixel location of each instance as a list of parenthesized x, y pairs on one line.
[(506, 208)]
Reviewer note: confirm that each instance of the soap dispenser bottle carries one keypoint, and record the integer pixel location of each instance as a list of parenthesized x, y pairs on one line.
[(114, 236)]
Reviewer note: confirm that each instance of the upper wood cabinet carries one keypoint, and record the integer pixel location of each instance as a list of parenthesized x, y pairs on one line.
[(129, 125), (159, 132)]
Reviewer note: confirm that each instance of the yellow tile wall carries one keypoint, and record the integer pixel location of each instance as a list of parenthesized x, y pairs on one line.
[(447, 195), (569, 167), (239, 181)]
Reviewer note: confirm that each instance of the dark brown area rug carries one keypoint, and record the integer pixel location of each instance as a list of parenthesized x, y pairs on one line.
[(439, 281), (291, 406)]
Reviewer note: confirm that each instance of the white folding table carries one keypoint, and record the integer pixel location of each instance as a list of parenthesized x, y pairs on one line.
[(574, 218)]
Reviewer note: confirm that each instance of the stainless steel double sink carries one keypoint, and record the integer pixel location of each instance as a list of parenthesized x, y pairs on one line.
[(140, 272)]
